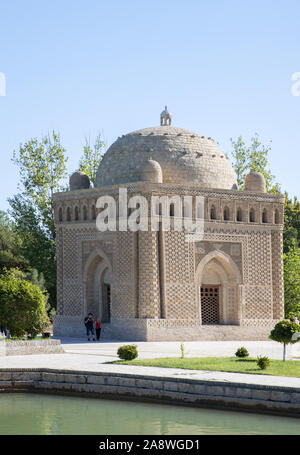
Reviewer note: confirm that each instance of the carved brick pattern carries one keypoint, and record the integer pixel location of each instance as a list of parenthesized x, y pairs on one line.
[(231, 309), (173, 322), (277, 276), (89, 246), (259, 323), (258, 302), (181, 300), (76, 244), (180, 271), (259, 259), (124, 291), (226, 242), (73, 297), (149, 292), (60, 270), (178, 267)]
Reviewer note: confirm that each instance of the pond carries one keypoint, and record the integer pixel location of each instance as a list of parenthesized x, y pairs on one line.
[(39, 414)]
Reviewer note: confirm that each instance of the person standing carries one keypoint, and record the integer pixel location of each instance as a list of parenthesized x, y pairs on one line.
[(98, 328), (89, 324)]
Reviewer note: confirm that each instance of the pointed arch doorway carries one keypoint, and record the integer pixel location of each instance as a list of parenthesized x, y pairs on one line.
[(98, 282), (219, 290)]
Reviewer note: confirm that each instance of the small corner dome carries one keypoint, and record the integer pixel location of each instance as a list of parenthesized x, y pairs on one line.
[(151, 172), (255, 181), (79, 181)]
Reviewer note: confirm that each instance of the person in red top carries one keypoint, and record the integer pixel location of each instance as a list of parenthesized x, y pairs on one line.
[(98, 328)]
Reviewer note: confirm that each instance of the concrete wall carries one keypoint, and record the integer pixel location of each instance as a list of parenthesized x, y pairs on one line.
[(20, 347)]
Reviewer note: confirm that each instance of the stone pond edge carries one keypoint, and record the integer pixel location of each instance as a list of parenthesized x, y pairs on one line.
[(193, 392)]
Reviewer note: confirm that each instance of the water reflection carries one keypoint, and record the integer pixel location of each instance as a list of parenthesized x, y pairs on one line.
[(49, 414)]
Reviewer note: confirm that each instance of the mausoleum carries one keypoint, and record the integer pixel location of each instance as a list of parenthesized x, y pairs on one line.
[(157, 285)]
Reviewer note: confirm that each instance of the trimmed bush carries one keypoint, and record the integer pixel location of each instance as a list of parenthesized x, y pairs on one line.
[(22, 306), (128, 352), (242, 352), (263, 362), (283, 333)]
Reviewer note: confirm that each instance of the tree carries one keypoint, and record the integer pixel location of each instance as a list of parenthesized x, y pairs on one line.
[(252, 157), (283, 332), (240, 156), (22, 305), (291, 228), (291, 269), (37, 247), (10, 244), (92, 156), (42, 166)]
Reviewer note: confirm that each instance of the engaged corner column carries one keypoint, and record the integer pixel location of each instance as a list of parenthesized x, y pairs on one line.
[(148, 286)]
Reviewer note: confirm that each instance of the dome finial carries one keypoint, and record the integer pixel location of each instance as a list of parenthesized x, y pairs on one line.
[(165, 117)]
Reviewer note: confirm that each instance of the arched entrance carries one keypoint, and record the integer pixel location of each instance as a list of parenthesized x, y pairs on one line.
[(219, 289), (98, 281)]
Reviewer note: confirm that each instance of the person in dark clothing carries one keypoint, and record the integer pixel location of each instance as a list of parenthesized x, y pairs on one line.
[(98, 328), (89, 324)]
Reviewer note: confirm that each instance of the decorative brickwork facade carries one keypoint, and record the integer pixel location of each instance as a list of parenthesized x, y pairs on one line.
[(156, 285)]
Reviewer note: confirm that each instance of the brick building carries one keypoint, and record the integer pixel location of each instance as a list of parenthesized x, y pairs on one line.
[(156, 285)]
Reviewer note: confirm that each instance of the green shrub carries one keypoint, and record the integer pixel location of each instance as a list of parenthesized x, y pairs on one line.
[(263, 362), (22, 306), (128, 352), (242, 352)]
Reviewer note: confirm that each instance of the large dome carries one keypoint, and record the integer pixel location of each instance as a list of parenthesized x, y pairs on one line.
[(184, 157)]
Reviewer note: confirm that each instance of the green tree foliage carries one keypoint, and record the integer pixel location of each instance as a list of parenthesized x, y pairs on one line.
[(240, 160), (37, 246), (36, 278), (291, 268), (10, 245), (92, 156), (252, 157), (291, 229), (283, 332), (22, 305), (291, 257), (42, 166)]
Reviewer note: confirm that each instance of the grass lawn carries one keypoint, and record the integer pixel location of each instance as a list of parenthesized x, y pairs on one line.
[(37, 338), (232, 364)]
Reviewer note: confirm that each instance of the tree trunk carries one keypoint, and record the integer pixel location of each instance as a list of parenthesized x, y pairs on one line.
[(284, 351)]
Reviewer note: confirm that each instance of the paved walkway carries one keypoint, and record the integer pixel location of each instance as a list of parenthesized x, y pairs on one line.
[(84, 356), (80, 362), (172, 348)]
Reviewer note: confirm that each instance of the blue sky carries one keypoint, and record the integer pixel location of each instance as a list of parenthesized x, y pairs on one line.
[(224, 68)]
